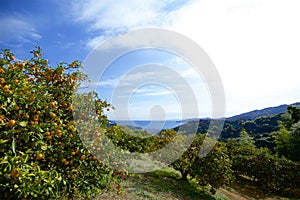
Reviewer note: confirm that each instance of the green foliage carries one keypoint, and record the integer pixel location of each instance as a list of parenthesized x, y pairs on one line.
[(133, 140), (261, 129), (213, 169), (264, 169), (245, 139), (185, 162), (288, 138), (41, 153)]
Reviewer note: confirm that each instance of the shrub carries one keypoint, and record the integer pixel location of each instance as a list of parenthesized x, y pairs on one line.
[(41, 154)]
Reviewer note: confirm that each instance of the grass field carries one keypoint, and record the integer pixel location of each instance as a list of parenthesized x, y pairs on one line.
[(166, 184)]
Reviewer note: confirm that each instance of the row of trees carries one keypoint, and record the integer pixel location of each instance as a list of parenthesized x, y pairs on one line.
[(265, 169), (288, 138), (226, 161)]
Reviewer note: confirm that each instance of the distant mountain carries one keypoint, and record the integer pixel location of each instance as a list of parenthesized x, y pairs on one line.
[(260, 124), (260, 113)]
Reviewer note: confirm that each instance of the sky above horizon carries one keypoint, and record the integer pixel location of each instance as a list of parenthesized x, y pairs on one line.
[(254, 44)]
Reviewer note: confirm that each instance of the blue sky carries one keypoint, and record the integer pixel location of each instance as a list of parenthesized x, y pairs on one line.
[(254, 44)]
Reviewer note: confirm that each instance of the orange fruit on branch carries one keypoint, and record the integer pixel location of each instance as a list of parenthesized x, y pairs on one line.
[(40, 156)]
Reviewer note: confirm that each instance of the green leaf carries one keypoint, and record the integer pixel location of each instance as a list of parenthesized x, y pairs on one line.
[(26, 137), (13, 145), (23, 123), (44, 148), (4, 162), (3, 141)]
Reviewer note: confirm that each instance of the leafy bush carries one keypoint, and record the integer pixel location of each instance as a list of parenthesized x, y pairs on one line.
[(41, 154), (288, 137), (213, 169), (266, 170)]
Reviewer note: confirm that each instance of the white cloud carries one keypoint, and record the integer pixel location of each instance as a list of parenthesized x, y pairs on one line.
[(108, 83), (254, 44), (15, 31), (112, 17), (152, 91), (107, 14), (93, 42)]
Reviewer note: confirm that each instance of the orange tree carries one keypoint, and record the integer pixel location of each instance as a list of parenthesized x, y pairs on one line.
[(212, 168), (41, 154), (266, 170)]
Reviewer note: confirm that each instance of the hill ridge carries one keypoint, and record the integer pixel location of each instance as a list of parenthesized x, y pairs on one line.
[(252, 115)]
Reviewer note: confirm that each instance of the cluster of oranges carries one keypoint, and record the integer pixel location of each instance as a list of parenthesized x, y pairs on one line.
[(37, 125)]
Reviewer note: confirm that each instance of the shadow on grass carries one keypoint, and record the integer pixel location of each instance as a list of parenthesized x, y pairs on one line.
[(252, 189), (163, 184)]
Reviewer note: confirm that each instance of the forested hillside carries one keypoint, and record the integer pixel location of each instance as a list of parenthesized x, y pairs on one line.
[(263, 112), (261, 128)]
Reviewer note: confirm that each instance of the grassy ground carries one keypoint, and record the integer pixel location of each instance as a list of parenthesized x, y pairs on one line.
[(244, 189), (159, 185), (166, 185)]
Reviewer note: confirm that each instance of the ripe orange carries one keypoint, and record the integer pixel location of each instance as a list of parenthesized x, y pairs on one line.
[(73, 153), (11, 123), (36, 55), (6, 87), (23, 64), (14, 173), (73, 176), (35, 118), (39, 156), (59, 135), (11, 57), (70, 108), (82, 157), (63, 160), (58, 131)]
